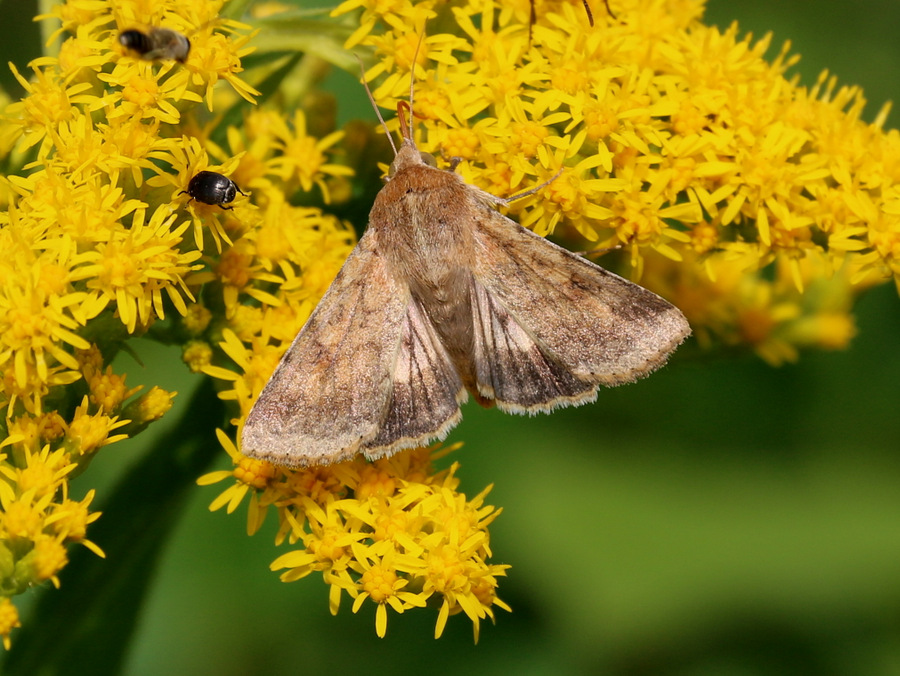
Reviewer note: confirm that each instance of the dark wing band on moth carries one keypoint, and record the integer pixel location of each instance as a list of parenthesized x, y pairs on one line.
[(603, 330), (512, 369), (425, 394), (331, 390)]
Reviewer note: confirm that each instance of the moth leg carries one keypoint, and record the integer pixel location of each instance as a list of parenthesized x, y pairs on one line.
[(530, 191)]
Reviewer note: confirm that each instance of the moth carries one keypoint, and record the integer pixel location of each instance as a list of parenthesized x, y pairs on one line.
[(443, 297)]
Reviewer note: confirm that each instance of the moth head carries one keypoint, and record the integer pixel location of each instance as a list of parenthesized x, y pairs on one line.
[(409, 156), (406, 132)]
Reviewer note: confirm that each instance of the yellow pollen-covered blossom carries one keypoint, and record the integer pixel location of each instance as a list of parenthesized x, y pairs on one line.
[(373, 531), (147, 408), (678, 144), (9, 619), (759, 207), (93, 255), (302, 157)]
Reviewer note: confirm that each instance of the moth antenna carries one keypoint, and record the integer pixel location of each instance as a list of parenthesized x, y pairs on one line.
[(375, 105), (608, 11), (402, 107), (412, 81), (587, 8)]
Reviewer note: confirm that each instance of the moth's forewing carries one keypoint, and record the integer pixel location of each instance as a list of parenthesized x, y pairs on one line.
[(569, 319), (331, 390), (426, 390)]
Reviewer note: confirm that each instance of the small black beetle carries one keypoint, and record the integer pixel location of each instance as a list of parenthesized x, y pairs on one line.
[(212, 188)]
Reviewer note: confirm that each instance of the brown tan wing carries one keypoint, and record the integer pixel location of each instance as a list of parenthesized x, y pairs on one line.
[(426, 390), (512, 368), (331, 390), (365, 374), (543, 313)]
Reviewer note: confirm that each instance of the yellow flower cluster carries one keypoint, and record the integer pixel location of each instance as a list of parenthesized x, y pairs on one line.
[(757, 206), (102, 244), (730, 189), (92, 254), (392, 531)]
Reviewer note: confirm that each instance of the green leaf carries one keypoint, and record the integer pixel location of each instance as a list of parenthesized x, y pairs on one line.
[(20, 42)]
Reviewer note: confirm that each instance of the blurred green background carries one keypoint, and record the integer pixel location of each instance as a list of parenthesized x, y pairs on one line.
[(722, 517)]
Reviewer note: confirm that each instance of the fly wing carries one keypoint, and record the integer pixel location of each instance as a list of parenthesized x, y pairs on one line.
[(365, 373), (551, 326)]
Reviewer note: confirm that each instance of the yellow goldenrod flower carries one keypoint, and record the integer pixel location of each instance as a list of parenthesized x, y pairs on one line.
[(392, 531), (759, 207), (303, 156), (675, 140), (94, 254), (9, 615)]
